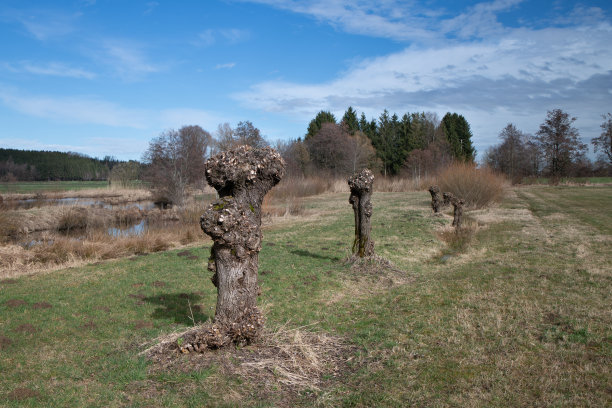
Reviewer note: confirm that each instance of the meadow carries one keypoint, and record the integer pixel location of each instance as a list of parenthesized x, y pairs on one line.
[(514, 313)]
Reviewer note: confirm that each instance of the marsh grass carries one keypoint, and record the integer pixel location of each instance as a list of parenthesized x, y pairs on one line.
[(521, 317)]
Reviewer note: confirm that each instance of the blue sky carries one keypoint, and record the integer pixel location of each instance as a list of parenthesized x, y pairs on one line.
[(103, 77)]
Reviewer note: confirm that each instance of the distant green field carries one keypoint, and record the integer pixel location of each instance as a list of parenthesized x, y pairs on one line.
[(42, 186), (569, 180)]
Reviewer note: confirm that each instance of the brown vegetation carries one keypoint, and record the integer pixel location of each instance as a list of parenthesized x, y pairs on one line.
[(477, 187)]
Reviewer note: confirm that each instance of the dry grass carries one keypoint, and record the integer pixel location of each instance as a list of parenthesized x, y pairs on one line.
[(298, 360), (112, 195), (477, 187), (401, 184)]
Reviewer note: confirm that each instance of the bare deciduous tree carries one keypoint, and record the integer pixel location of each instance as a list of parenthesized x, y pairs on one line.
[(559, 141), (604, 141), (175, 160)]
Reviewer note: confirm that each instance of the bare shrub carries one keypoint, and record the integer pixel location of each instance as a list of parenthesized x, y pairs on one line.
[(478, 187)]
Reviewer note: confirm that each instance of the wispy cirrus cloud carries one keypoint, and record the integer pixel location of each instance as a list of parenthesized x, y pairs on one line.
[(127, 58), (228, 65), (43, 24), (76, 109), (94, 111), (211, 36), (50, 69)]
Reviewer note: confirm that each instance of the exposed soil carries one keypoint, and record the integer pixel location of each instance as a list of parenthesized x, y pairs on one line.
[(9, 281), (20, 394), (159, 284), (26, 328), (103, 308), (5, 342), (184, 253), (137, 285), (137, 296), (15, 302), (42, 305), (143, 324)]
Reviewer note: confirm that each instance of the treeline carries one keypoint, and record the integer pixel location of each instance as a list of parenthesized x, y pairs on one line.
[(415, 144), (32, 165), (554, 151)]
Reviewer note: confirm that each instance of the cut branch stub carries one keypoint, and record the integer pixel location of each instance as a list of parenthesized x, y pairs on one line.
[(361, 194), (242, 177), (436, 200)]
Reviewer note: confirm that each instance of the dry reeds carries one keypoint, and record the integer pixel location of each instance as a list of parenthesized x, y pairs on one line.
[(478, 187)]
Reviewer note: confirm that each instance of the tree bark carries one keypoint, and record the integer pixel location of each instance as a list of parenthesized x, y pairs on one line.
[(361, 194), (242, 177), (457, 209), (435, 199)]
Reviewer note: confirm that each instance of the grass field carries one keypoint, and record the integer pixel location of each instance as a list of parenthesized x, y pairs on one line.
[(520, 317), (50, 186)]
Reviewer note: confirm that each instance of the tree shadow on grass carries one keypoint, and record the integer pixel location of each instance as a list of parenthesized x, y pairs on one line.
[(302, 252), (180, 307)]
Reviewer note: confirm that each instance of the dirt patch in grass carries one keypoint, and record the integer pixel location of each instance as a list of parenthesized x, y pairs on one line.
[(103, 308), (184, 253), (90, 325), (137, 296), (143, 324), (5, 342), (302, 363), (137, 285), (15, 302), (42, 305), (8, 281), (26, 328), (159, 284), (20, 394)]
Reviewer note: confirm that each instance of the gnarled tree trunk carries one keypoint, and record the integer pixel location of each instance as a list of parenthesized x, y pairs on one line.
[(361, 194), (436, 200), (457, 208), (242, 177)]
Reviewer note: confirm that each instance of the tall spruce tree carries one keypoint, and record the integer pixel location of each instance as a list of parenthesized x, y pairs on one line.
[(315, 125), (350, 121), (459, 136)]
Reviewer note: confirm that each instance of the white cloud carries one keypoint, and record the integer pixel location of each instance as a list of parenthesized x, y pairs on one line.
[(210, 37), (43, 24), (128, 59), (518, 75), (51, 69), (74, 109), (229, 65)]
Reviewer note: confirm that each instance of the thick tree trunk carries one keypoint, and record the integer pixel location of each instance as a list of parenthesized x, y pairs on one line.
[(361, 194), (242, 177), (457, 208), (436, 200)]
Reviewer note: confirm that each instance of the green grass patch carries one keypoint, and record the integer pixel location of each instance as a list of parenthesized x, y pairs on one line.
[(520, 316)]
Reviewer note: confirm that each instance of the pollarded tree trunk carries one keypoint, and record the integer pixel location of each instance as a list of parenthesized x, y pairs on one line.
[(242, 177), (435, 199), (457, 209), (361, 194)]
